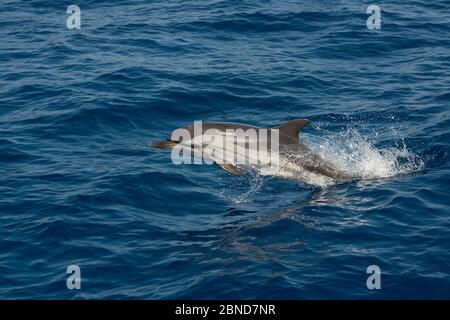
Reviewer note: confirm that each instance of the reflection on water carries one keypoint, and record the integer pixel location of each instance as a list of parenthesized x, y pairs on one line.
[(262, 236)]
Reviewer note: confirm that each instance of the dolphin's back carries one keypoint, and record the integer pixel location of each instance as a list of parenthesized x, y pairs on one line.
[(220, 126)]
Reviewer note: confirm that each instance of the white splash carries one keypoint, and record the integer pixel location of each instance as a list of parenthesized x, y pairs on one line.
[(255, 182), (351, 152)]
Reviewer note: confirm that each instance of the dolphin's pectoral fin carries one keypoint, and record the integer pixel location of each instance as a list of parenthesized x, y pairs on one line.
[(291, 129), (230, 168)]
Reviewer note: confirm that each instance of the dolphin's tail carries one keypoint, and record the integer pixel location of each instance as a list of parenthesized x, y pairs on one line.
[(166, 144)]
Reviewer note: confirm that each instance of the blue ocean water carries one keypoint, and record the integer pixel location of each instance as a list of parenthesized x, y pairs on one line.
[(79, 184)]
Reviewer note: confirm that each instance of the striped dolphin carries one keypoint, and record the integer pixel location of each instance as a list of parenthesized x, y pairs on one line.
[(294, 160)]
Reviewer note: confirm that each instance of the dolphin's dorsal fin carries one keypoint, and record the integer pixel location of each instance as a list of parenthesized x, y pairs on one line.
[(291, 129)]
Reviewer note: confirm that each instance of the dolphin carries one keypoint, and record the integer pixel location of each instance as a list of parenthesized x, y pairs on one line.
[(295, 160)]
